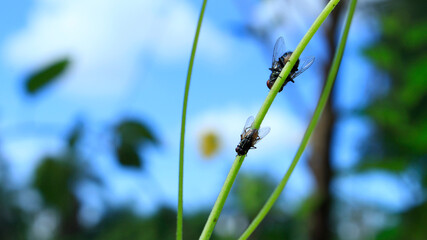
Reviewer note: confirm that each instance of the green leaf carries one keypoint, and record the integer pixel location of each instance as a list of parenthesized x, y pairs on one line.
[(251, 192), (307, 206), (415, 88), (416, 37), (75, 135), (383, 56), (46, 76), (131, 136), (128, 156), (135, 132), (409, 225), (53, 181), (395, 165)]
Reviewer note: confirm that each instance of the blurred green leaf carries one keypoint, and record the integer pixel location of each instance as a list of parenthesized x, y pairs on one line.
[(128, 155), (414, 90), (135, 132), (307, 206), (392, 165), (251, 192), (391, 233), (131, 136), (398, 138), (124, 224), (383, 56), (46, 76), (411, 225), (75, 135), (416, 36), (53, 179)]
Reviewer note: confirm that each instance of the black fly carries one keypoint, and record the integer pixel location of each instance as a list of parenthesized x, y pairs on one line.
[(280, 58), (250, 137)]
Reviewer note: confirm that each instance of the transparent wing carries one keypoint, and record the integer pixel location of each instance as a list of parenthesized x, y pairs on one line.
[(279, 49), (306, 63), (262, 133), (248, 123)]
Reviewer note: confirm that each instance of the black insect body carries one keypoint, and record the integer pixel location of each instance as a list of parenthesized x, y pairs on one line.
[(250, 137), (247, 140), (280, 58)]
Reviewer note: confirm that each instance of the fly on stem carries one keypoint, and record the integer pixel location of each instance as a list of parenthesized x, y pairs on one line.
[(250, 137), (280, 58)]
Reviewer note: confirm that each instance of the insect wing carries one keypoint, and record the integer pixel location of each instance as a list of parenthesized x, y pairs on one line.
[(248, 123), (262, 133), (279, 49), (307, 62)]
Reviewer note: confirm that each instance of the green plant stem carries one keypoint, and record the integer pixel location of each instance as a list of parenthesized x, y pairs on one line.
[(219, 203), (317, 113), (184, 114), (216, 210), (289, 65)]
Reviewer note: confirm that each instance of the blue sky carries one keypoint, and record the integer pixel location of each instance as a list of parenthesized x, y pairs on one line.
[(130, 60)]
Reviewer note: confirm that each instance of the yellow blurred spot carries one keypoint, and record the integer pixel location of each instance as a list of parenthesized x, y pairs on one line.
[(209, 144)]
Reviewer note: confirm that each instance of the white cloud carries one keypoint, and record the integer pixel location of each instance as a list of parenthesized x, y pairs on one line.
[(106, 38), (266, 13)]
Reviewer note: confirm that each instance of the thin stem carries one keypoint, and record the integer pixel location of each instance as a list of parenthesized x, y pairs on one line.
[(184, 114), (317, 113), (289, 65), (216, 210), (219, 203)]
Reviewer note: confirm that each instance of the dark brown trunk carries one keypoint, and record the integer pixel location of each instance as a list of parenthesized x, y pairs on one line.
[(320, 159), (70, 225)]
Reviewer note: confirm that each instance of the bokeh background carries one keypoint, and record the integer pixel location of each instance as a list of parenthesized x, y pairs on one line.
[(91, 99)]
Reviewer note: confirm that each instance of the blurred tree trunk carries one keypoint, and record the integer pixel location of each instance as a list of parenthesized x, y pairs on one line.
[(320, 159), (70, 225)]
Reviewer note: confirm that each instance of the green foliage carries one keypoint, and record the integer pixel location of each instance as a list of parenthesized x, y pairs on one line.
[(56, 179), (123, 224), (132, 135), (252, 192), (411, 225), (46, 76), (249, 194), (53, 179), (128, 156), (397, 143), (75, 136), (399, 114), (307, 206), (193, 223), (395, 165), (134, 132), (13, 224)]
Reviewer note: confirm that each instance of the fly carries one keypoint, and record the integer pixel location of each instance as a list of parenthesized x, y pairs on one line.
[(250, 137), (280, 58)]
